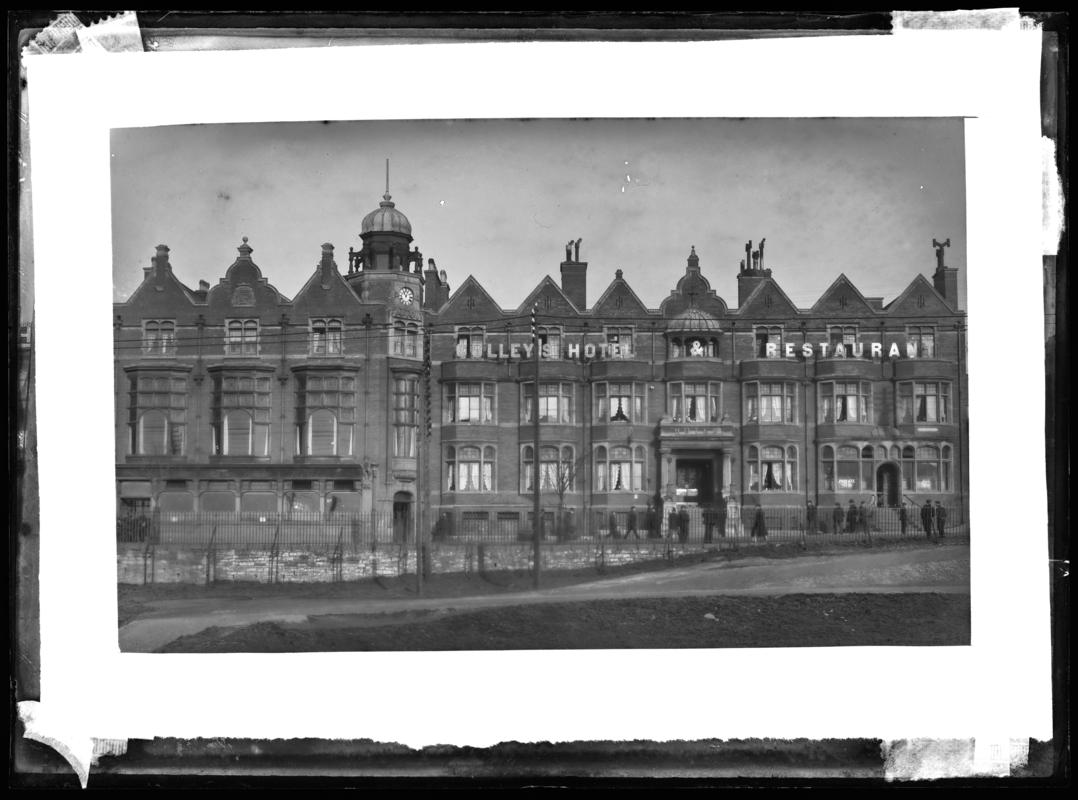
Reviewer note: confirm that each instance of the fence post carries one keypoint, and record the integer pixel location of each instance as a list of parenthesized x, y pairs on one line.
[(274, 554), (211, 553)]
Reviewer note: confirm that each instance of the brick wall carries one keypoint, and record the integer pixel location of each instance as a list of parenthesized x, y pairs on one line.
[(138, 564)]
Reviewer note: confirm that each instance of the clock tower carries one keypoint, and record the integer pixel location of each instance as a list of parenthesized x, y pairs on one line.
[(386, 270)]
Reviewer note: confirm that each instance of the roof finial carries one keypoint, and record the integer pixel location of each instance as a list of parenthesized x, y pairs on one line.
[(386, 195)]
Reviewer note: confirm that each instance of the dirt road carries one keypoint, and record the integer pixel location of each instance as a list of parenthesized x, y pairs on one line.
[(939, 569)]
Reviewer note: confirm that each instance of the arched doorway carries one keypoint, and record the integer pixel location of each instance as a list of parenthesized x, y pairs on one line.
[(888, 486), (402, 516)]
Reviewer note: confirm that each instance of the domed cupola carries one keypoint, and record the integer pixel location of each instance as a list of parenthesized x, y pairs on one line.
[(386, 219), (386, 235)]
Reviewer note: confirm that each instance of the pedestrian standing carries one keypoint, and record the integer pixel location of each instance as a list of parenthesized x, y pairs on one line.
[(851, 518), (810, 517), (672, 522), (720, 516), (862, 520), (838, 517), (614, 525), (927, 515), (651, 519), (759, 525), (631, 525), (709, 523), (903, 518), (941, 519), (683, 524)]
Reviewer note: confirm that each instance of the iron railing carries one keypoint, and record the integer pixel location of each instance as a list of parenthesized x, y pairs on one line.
[(682, 523)]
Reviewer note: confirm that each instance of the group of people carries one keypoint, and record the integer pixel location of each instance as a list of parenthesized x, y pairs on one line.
[(933, 519), (677, 521), (853, 519)]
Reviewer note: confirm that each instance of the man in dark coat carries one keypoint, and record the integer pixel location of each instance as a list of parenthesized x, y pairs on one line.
[(903, 518), (941, 519), (810, 517), (838, 517), (631, 525), (683, 524), (672, 521), (927, 515), (851, 518), (651, 519), (759, 525), (862, 520), (614, 525), (709, 522)]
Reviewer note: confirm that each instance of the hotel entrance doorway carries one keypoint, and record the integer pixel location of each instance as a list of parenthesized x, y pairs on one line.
[(694, 480)]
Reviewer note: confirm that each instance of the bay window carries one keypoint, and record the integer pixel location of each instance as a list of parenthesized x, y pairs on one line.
[(696, 401), (924, 402), (469, 403), (770, 402), (845, 402), (619, 402), (555, 403)]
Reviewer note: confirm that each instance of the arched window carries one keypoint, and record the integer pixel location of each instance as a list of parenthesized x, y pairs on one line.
[(771, 468), (241, 414), (527, 468), (159, 337), (470, 468), (926, 468), (625, 469)]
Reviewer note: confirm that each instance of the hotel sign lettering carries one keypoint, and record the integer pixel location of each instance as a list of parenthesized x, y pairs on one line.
[(526, 351)]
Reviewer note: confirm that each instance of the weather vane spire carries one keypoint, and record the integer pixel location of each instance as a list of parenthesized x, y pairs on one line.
[(387, 176)]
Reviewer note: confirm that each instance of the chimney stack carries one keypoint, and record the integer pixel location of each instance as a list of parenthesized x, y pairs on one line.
[(328, 266), (435, 287), (574, 276), (945, 279)]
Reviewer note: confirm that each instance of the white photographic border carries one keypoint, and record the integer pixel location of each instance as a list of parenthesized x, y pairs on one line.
[(999, 686)]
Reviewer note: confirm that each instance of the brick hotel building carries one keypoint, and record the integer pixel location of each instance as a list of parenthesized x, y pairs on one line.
[(376, 389)]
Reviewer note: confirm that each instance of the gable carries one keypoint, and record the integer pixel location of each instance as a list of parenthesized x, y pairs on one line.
[(550, 299), (920, 299), (842, 299), (334, 298), (619, 300), (158, 296), (768, 301), (470, 301)]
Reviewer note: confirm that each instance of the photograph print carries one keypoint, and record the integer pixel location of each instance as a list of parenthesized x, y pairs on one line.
[(541, 384)]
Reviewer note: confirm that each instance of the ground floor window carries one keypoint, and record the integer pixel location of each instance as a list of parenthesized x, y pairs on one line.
[(771, 468), (619, 468), (469, 468), (926, 468), (855, 468), (557, 469)]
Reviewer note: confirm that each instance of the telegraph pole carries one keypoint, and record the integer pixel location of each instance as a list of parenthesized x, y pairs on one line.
[(536, 474)]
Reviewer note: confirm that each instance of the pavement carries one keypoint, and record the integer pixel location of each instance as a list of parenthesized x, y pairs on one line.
[(940, 568)]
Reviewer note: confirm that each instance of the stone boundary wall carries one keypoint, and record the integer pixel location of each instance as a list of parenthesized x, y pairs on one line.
[(142, 564)]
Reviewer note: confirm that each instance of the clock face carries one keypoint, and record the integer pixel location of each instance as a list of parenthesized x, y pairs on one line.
[(406, 296)]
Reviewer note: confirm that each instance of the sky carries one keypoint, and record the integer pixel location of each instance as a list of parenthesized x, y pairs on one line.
[(498, 199)]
